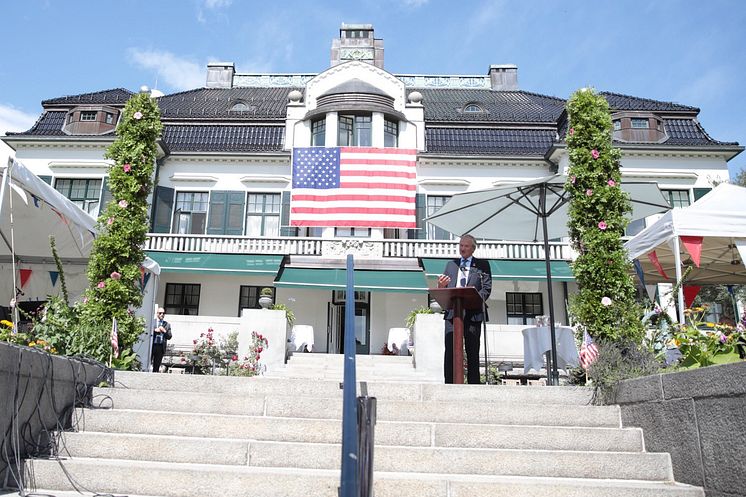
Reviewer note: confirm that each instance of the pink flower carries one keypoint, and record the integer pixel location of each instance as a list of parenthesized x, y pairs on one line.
[(137, 115), (259, 349), (572, 179), (234, 358), (602, 225), (595, 154), (123, 204), (116, 276), (127, 168), (110, 221), (572, 131), (611, 182), (606, 301), (101, 284), (588, 192), (194, 341)]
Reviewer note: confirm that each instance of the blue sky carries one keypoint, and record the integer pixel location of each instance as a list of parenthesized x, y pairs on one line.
[(687, 51)]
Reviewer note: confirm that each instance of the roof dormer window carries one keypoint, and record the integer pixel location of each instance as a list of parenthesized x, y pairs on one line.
[(240, 107), (472, 109), (639, 122), (88, 115)]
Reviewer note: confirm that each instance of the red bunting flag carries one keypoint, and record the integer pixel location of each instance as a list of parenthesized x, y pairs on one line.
[(693, 245), (690, 291), (25, 275), (656, 263)]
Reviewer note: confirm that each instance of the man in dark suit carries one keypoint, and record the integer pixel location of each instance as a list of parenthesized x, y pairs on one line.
[(466, 271), (161, 336)]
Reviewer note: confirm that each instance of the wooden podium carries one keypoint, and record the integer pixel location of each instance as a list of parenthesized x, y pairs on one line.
[(460, 300)]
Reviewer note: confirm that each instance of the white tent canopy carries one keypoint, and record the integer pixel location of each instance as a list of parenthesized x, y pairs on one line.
[(719, 218), (30, 212)]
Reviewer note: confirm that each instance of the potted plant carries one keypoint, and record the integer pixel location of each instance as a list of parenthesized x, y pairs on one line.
[(265, 298)]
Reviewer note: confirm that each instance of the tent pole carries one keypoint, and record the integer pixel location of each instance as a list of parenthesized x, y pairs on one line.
[(677, 262)]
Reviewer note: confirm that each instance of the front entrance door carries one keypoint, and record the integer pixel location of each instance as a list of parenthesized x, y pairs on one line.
[(336, 327)]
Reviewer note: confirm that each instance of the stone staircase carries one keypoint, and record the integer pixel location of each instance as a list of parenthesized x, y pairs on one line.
[(388, 368), (203, 436)]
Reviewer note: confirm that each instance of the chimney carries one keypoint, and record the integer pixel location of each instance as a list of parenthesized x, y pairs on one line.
[(357, 42), (504, 76), (220, 74)]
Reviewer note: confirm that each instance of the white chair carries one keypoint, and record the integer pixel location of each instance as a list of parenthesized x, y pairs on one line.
[(301, 338), (400, 338)]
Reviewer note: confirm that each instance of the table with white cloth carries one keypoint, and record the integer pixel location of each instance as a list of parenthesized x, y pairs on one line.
[(537, 341)]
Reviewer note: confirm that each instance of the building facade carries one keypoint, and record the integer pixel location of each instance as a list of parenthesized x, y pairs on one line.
[(221, 224)]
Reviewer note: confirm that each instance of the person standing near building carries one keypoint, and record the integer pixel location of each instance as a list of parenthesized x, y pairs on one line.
[(466, 271), (161, 336)]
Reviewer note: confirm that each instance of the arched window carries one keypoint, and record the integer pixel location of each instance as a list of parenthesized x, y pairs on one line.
[(473, 108), (239, 107)]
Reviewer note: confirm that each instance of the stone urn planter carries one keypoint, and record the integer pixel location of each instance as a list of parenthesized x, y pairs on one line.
[(265, 302)]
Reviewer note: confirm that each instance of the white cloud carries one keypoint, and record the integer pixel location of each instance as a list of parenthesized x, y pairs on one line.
[(172, 71), (12, 119), (217, 4)]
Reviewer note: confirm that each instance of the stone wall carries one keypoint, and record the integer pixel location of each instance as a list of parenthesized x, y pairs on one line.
[(699, 417), (38, 394)]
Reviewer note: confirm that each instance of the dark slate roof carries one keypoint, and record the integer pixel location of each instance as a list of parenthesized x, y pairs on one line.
[(116, 96), (49, 124), (689, 132), (618, 101), (488, 141), (210, 138), (215, 103), (445, 104)]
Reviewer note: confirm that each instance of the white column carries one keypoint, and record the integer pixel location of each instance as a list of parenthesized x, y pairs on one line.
[(332, 123), (376, 129)]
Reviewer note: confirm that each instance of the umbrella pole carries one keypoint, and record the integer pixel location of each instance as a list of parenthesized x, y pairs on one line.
[(552, 374)]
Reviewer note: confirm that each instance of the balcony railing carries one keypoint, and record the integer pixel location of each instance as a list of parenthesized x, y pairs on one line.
[(340, 247)]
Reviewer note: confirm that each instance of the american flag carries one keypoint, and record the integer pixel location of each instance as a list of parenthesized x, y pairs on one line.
[(354, 187), (588, 351), (115, 337)]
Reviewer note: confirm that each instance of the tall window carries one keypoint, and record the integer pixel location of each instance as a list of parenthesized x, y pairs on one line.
[(390, 133), (318, 132), (263, 214), (523, 307), (435, 202), (182, 299), (248, 298), (85, 193), (677, 198), (191, 213), (354, 131)]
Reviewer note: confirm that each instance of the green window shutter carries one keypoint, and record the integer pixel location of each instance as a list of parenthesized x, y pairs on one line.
[(46, 179), (420, 213), (700, 192), (235, 206), (285, 228), (164, 203), (216, 219), (106, 195)]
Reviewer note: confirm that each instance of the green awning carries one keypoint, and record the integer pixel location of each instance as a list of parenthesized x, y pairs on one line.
[(510, 270), (235, 264), (373, 280)]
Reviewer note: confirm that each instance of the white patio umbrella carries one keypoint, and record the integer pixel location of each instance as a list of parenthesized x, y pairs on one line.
[(534, 210)]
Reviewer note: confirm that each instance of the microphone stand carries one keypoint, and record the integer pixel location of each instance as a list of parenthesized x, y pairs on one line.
[(484, 329)]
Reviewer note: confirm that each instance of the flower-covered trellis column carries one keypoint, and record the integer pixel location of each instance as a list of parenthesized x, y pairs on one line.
[(605, 305), (114, 265)]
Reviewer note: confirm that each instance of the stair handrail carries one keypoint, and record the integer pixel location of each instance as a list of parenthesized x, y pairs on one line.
[(349, 478)]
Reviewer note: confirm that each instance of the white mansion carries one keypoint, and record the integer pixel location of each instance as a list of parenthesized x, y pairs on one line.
[(221, 225)]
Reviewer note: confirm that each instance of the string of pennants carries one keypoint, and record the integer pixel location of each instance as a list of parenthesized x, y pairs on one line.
[(25, 275), (693, 246)]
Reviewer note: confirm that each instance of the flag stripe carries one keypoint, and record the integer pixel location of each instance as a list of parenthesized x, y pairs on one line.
[(354, 186)]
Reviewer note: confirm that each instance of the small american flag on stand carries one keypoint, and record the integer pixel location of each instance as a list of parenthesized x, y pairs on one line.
[(354, 187), (588, 351), (115, 337)]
